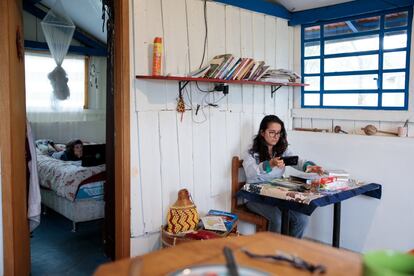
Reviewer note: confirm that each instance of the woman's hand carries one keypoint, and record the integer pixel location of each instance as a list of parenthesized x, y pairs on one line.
[(277, 162), (315, 169)]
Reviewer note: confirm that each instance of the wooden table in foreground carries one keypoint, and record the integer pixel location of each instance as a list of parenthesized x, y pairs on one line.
[(162, 262)]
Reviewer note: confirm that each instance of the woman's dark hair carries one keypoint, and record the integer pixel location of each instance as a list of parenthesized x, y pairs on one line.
[(70, 147), (259, 143)]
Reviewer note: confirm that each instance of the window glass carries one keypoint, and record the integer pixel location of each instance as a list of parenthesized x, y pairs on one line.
[(312, 99), (312, 66), (353, 82), (354, 63), (347, 65), (39, 90), (394, 60), (352, 26), (357, 100), (393, 80), (397, 19), (393, 99), (312, 48), (314, 83), (349, 45), (393, 40), (313, 32)]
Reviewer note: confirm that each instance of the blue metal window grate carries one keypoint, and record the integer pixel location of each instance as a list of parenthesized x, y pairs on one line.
[(360, 62)]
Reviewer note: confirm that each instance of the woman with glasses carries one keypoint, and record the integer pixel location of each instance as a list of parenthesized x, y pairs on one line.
[(262, 163)]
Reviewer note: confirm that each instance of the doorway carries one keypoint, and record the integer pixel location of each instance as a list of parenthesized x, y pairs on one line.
[(12, 102)]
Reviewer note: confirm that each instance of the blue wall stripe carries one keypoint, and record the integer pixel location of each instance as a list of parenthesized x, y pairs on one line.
[(260, 6), (79, 50), (353, 8)]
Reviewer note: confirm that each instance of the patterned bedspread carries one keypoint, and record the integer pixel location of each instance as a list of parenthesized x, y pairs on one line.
[(63, 177)]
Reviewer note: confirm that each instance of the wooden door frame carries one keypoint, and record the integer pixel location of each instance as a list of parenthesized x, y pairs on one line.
[(16, 243)]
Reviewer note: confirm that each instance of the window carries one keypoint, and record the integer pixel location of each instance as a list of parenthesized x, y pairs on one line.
[(38, 87), (359, 62)]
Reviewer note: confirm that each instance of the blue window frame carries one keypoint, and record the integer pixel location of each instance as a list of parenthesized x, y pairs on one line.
[(358, 62)]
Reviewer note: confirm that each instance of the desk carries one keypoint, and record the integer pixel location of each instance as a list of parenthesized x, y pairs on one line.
[(253, 193), (337, 261)]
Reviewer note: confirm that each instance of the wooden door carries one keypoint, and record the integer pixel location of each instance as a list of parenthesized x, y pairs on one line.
[(12, 140), (109, 228), (16, 242)]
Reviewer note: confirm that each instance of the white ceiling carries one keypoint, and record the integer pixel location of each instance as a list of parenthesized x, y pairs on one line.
[(299, 5), (85, 14)]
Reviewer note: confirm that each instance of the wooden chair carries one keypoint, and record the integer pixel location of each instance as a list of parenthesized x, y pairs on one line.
[(241, 210)]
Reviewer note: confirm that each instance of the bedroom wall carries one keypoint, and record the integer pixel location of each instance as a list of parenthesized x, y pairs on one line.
[(88, 124), (169, 154), (367, 224)]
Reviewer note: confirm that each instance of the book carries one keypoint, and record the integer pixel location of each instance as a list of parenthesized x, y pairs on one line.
[(238, 68), (256, 67), (229, 219), (337, 173), (224, 67), (198, 73), (300, 175), (214, 64), (214, 223), (242, 68), (231, 71), (231, 64), (223, 59), (245, 69)]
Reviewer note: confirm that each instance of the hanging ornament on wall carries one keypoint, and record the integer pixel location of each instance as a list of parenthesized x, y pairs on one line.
[(181, 105), (58, 29), (93, 77)]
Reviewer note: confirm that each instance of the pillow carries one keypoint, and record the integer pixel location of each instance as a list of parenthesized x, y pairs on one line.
[(45, 146)]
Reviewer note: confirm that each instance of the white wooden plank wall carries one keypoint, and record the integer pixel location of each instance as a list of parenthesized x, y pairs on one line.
[(195, 153)]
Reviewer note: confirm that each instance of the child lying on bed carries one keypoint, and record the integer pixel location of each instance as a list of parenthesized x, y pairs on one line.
[(73, 151)]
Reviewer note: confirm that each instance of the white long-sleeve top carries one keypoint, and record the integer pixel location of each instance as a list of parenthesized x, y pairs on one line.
[(255, 171)]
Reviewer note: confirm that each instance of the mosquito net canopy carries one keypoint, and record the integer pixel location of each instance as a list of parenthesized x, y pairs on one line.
[(58, 29)]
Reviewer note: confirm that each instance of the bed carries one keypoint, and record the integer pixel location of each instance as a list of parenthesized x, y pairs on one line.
[(71, 190)]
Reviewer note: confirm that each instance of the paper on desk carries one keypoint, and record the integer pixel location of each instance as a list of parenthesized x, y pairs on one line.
[(294, 172)]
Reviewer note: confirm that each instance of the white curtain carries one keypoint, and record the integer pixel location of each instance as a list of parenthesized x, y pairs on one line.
[(34, 199)]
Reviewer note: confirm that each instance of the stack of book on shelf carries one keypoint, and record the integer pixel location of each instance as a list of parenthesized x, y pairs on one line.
[(228, 67), (280, 75)]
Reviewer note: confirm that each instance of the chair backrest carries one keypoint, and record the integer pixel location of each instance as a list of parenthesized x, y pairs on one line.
[(236, 184)]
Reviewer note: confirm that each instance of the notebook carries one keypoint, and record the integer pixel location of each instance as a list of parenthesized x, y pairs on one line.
[(93, 155)]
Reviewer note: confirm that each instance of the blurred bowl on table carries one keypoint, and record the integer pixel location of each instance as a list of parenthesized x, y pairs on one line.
[(388, 263)]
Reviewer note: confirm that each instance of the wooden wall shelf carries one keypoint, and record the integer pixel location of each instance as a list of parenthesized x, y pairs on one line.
[(183, 81)]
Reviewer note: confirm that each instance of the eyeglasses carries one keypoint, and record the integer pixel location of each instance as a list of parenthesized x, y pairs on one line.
[(274, 134)]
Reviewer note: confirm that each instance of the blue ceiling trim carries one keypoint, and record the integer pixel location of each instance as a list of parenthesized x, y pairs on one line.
[(261, 6), (79, 50), (348, 9), (79, 35)]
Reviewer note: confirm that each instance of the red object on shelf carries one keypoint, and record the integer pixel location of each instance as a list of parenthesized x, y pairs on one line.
[(220, 80)]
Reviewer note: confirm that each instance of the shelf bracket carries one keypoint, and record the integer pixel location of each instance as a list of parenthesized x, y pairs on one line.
[(182, 85), (274, 88)]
